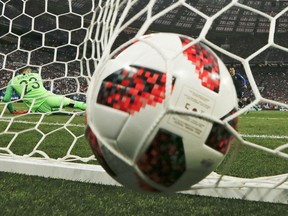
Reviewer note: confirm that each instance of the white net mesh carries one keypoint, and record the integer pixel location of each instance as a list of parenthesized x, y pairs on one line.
[(68, 40)]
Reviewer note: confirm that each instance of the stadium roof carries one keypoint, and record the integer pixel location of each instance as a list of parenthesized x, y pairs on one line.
[(236, 19), (181, 19)]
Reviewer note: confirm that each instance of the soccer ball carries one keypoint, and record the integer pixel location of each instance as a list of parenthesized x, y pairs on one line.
[(140, 122)]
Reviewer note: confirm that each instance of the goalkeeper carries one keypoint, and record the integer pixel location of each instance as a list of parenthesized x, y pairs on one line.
[(29, 87)]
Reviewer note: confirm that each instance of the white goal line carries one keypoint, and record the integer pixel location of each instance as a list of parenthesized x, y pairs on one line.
[(264, 136), (43, 123), (83, 126)]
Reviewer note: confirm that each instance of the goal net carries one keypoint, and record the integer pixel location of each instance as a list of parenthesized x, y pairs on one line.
[(67, 41)]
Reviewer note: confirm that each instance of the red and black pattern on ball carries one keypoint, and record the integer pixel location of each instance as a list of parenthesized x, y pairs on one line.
[(164, 160), (206, 64), (132, 88), (220, 138), (96, 148)]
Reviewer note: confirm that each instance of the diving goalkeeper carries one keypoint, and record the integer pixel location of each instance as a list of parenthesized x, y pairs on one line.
[(29, 87)]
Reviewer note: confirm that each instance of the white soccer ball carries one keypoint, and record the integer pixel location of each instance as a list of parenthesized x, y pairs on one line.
[(139, 121)]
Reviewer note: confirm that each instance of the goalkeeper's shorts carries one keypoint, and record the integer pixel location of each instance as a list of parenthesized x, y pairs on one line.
[(53, 102)]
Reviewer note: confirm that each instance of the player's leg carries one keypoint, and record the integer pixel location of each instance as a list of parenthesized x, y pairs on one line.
[(57, 101), (78, 104), (43, 108)]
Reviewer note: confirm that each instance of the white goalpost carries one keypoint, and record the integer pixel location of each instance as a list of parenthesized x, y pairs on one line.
[(68, 41)]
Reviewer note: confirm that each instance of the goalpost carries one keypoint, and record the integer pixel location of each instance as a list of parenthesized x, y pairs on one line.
[(67, 41)]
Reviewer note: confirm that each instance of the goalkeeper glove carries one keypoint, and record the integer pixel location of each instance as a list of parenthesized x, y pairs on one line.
[(15, 112)]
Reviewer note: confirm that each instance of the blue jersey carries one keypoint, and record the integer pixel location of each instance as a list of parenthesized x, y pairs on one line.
[(239, 83), (240, 79)]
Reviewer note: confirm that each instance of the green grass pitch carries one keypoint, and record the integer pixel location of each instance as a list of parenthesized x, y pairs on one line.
[(30, 195)]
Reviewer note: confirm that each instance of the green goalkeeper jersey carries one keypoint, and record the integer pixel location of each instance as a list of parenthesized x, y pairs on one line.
[(30, 89)]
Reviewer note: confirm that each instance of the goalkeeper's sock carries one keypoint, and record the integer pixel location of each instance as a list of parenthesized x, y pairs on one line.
[(80, 105)]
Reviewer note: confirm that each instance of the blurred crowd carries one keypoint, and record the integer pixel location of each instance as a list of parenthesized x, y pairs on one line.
[(66, 76), (272, 82)]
